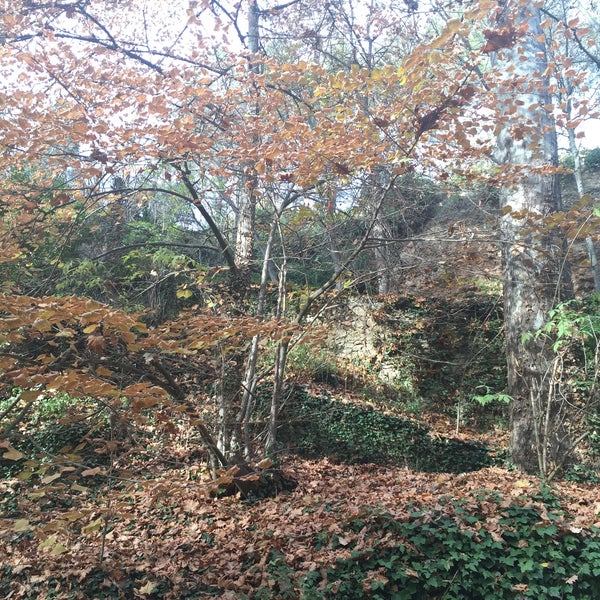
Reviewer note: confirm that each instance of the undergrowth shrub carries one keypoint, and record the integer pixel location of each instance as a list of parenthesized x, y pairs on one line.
[(567, 162), (454, 552), (319, 426), (441, 348), (582, 473), (98, 583), (319, 366), (592, 158), (56, 425)]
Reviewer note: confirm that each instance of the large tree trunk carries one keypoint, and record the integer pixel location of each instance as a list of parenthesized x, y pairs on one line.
[(534, 264)]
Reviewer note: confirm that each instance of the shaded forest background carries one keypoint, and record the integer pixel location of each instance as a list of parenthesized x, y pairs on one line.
[(430, 348), (408, 383)]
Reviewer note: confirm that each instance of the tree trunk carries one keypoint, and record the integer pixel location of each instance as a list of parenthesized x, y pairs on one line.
[(591, 249), (534, 264), (230, 409), (245, 234), (246, 217), (578, 175), (379, 180), (281, 355), (381, 254), (250, 377)]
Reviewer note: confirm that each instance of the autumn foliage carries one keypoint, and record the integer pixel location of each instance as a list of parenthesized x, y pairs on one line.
[(167, 538), (183, 199)]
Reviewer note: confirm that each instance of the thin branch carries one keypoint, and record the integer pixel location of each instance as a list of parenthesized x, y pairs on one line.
[(197, 202), (344, 266), (595, 60), (154, 245), (279, 7)]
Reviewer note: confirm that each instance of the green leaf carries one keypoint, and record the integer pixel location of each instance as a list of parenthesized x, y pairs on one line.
[(526, 337), (184, 293)]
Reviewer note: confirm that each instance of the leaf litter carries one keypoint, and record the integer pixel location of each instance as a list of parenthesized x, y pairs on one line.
[(171, 529)]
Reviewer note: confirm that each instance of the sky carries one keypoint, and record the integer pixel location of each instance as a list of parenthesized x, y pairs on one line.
[(592, 134)]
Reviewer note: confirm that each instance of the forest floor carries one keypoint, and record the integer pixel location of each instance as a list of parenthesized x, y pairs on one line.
[(166, 536), (160, 532)]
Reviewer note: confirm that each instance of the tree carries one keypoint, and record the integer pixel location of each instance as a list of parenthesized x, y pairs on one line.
[(534, 263), (228, 122), (577, 76), (281, 121)]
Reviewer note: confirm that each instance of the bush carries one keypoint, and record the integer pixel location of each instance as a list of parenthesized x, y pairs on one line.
[(592, 158), (450, 553), (567, 162), (316, 365), (582, 473), (56, 425), (424, 332)]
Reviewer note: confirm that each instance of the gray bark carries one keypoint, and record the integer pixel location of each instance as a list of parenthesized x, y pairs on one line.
[(591, 249), (250, 378), (534, 264), (231, 413)]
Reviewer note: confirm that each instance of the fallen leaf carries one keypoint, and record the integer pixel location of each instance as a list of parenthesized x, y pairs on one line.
[(48, 542), (265, 463), (148, 588), (90, 472), (93, 526), (50, 478), (13, 454), (58, 550), (21, 525)]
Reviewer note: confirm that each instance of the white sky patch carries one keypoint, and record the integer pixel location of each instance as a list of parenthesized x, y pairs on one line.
[(591, 129)]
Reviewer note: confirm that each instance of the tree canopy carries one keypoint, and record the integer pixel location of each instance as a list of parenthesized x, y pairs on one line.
[(160, 178), (188, 191)]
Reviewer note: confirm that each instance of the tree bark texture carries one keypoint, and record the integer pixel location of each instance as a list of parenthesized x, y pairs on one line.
[(578, 175), (535, 273)]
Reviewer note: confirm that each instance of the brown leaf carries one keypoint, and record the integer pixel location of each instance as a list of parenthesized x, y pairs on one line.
[(13, 454), (91, 472), (499, 38), (96, 343)]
